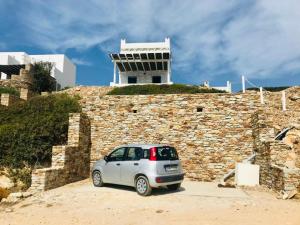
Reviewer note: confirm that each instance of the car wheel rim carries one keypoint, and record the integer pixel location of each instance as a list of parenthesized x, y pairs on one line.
[(141, 185), (97, 178)]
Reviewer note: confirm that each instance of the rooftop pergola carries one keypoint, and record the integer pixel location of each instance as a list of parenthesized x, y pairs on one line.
[(143, 58), (141, 61)]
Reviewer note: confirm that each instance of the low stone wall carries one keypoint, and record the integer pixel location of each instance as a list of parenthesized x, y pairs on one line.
[(70, 162), (278, 170), (8, 99)]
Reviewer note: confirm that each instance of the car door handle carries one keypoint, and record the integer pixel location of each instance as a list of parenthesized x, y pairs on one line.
[(118, 164), (136, 164)]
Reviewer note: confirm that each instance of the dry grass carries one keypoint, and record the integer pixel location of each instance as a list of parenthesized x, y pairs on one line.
[(3, 193)]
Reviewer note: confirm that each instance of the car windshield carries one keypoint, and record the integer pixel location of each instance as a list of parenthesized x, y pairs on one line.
[(166, 153)]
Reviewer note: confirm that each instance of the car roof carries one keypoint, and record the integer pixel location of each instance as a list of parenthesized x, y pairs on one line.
[(145, 146)]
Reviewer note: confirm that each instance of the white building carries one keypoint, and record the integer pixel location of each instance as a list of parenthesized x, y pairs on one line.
[(142, 63), (226, 88), (64, 71)]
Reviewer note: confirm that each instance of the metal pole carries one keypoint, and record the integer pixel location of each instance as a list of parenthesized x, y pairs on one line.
[(283, 101), (243, 83), (115, 71), (261, 96)]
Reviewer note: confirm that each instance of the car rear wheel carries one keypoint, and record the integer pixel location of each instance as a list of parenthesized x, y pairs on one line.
[(142, 186), (97, 179), (173, 187)]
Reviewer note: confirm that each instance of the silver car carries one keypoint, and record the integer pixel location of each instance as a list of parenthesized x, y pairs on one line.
[(143, 166)]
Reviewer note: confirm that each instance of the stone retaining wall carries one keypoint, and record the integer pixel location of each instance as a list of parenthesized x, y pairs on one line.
[(70, 162), (210, 131)]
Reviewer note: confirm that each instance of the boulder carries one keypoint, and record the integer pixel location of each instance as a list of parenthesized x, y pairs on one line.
[(5, 182)]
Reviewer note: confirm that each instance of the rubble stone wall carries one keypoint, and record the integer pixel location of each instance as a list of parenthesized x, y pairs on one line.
[(23, 80), (278, 161), (70, 162), (8, 99), (210, 131)]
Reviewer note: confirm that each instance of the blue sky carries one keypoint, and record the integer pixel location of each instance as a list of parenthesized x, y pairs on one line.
[(213, 40)]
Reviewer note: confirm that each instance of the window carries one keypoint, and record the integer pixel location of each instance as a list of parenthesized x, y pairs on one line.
[(166, 153), (117, 155), (132, 80), (156, 79), (134, 153)]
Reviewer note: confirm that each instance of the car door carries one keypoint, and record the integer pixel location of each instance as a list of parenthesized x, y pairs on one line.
[(131, 164), (112, 167)]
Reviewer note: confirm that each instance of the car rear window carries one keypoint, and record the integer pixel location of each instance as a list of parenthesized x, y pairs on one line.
[(166, 153)]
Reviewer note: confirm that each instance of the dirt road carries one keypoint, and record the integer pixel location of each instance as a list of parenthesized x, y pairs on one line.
[(195, 203)]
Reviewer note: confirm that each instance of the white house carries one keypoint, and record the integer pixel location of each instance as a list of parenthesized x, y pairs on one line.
[(64, 71), (142, 63)]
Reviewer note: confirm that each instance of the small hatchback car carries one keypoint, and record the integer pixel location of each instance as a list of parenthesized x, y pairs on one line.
[(141, 166)]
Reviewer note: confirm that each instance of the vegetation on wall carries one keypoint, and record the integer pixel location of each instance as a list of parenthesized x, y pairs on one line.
[(28, 130), (161, 89), (271, 89), (43, 81), (9, 90)]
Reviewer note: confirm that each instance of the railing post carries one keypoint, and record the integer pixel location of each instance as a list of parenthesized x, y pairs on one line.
[(243, 83), (283, 99), (261, 96)]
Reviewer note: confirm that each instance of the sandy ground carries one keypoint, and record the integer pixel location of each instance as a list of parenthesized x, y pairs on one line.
[(195, 203)]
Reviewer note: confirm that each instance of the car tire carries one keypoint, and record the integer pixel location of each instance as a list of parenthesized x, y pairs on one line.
[(97, 179), (142, 186), (173, 187)]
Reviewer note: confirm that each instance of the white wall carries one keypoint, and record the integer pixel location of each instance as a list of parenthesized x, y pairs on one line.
[(64, 71), (14, 58), (144, 78)]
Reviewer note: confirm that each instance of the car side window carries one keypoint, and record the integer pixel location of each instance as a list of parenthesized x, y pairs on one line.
[(134, 153), (117, 155)]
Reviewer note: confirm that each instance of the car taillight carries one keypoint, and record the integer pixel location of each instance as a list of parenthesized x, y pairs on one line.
[(153, 154)]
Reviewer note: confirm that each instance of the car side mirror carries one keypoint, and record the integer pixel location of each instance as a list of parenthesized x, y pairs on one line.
[(106, 158)]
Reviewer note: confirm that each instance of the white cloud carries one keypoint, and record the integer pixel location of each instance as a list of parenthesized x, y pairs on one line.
[(210, 37), (80, 61)]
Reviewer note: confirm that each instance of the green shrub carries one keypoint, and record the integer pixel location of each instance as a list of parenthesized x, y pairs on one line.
[(21, 177), (43, 82), (28, 130), (9, 90), (160, 89)]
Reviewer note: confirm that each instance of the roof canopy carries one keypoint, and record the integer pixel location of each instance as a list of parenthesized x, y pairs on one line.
[(11, 69), (150, 61)]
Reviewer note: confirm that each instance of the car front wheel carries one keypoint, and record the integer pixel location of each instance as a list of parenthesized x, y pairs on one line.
[(142, 186), (97, 179)]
